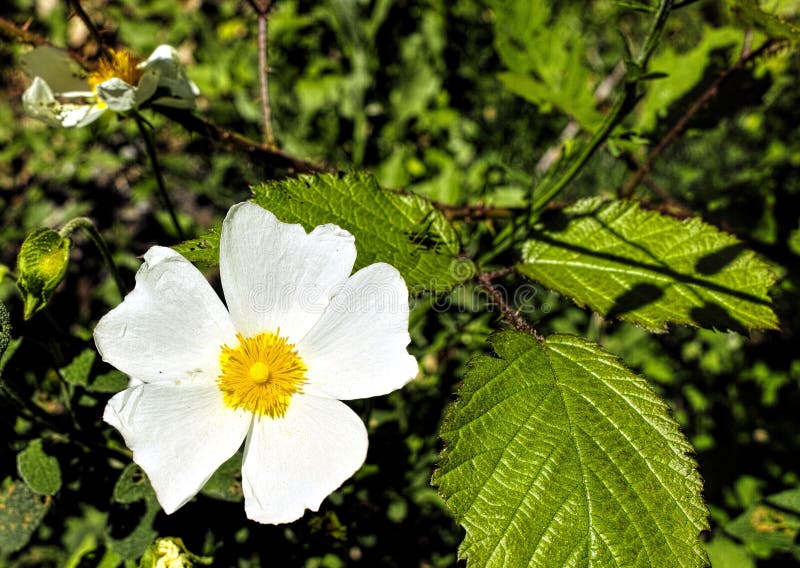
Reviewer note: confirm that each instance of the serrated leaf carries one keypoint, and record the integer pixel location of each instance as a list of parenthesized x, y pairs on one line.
[(41, 263), (40, 471), (772, 525), (21, 511), (650, 269), (77, 372), (404, 230), (132, 486), (557, 455)]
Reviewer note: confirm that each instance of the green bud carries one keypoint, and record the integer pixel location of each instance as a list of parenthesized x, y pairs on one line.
[(170, 552), (41, 264)]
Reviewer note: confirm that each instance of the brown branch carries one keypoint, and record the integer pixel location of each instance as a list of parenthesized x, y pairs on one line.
[(680, 126), (471, 213), (517, 321), (19, 33), (257, 151), (262, 10)]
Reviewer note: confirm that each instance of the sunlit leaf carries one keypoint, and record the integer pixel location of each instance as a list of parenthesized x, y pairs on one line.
[(40, 471), (42, 263), (557, 455), (650, 269)]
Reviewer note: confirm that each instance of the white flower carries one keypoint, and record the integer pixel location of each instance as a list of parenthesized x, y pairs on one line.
[(62, 95), (299, 335)]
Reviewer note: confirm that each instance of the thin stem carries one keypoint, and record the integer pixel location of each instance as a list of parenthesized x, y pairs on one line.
[(162, 188), (91, 231), (621, 108), (262, 10)]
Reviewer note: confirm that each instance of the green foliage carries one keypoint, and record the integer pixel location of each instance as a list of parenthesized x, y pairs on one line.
[(40, 471), (650, 269), (770, 526), (556, 454), (544, 69), (21, 511), (77, 372), (133, 486), (42, 264), (226, 483), (171, 551)]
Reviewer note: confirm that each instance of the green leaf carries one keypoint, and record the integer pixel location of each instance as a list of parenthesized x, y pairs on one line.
[(226, 482), (41, 263), (404, 230), (557, 455), (545, 55), (650, 269), (40, 471), (725, 553), (770, 526), (21, 511), (133, 486), (111, 382), (77, 372)]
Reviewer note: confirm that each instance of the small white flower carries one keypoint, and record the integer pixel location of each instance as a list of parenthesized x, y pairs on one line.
[(299, 334), (63, 95)]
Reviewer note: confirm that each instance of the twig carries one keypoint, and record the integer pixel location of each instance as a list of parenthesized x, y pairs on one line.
[(517, 321), (680, 126), (470, 213), (162, 187), (262, 10), (257, 151), (13, 31), (87, 21)]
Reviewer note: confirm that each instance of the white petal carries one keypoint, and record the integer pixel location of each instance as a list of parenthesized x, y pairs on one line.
[(181, 92), (117, 94), (171, 327), (293, 463), (358, 348), (277, 276), (179, 435), (147, 86), (39, 102), (79, 115), (56, 68)]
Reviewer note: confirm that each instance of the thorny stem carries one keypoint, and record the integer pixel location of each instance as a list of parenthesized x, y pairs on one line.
[(683, 122), (262, 10), (91, 231), (485, 279), (162, 188), (621, 108)]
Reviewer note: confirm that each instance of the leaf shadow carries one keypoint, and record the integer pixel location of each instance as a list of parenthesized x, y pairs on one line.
[(636, 298), (716, 261), (713, 316)]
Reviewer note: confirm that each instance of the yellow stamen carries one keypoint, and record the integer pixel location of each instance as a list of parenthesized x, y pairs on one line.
[(261, 374), (123, 65)]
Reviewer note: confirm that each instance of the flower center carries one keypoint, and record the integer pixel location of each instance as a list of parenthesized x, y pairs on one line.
[(261, 374), (122, 65)]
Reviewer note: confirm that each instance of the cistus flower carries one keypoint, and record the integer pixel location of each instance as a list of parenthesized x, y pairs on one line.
[(299, 335), (63, 95)]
